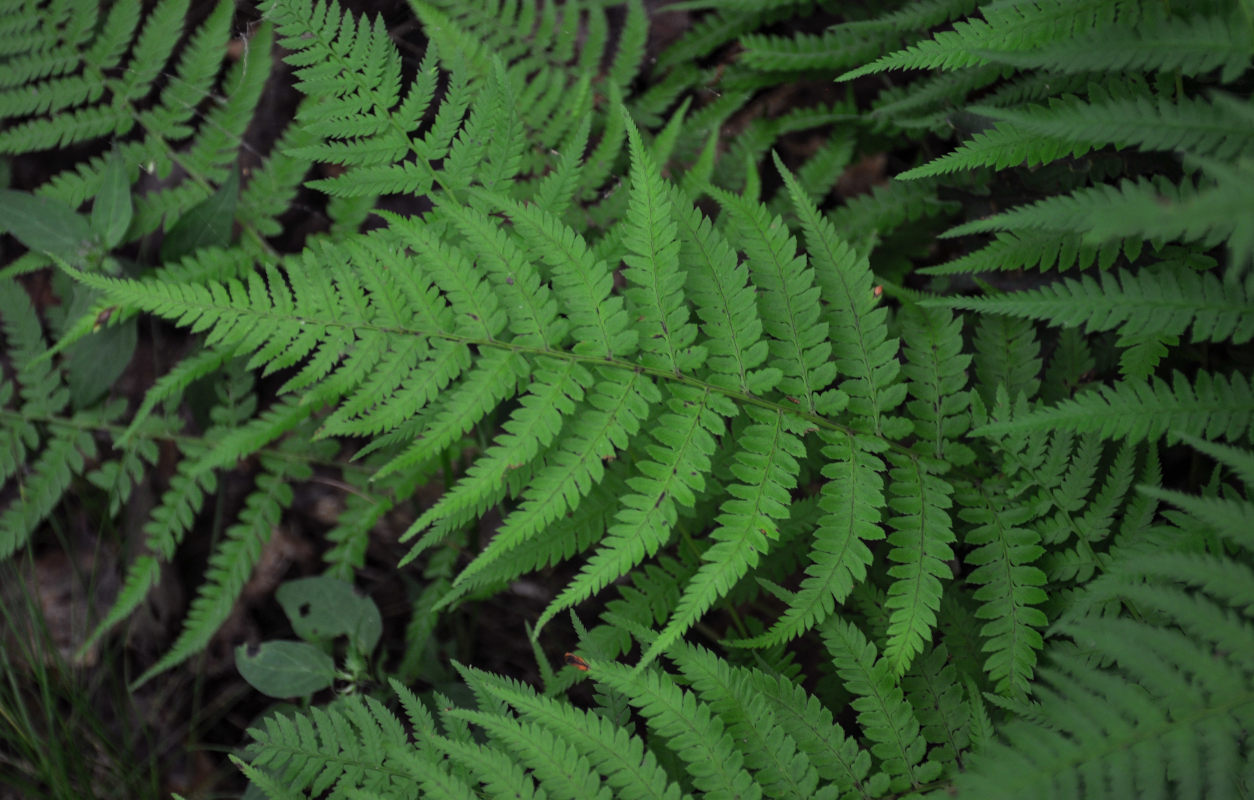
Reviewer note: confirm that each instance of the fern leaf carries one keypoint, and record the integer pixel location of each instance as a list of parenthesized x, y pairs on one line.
[(851, 501), (783, 770), (1166, 303), (790, 315), (582, 283), (555, 389), (553, 760), (836, 758), (933, 691), (921, 547), (765, 465), (859, 332), (718, 285), (1010, 28), (666, 335), (671, 477), (1213, 406), (618, 405), (232, 563), (628, 766), (936, 370), (1009, 587), (1191, 46), (690, 727), (1043, 250), (883, 713), (169, 522)]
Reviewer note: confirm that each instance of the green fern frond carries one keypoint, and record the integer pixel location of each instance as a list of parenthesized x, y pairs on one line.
[(1160, 302), (670, 479), (765, 467), (885, 717), (1164, 696), (233, 562), (1071, 127), (1005, 550), (1028, 249), (1004, 28), (628, 766), (1211, 405), (1192, 46), (780, 766), (851, 501), (790, 317), (689, 726)]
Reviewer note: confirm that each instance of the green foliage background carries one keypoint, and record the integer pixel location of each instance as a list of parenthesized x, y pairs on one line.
[(869, 501)]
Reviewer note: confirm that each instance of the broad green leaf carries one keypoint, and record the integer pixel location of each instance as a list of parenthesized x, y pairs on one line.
[(111, 211), (206, 224), (285, 669), (324, 607), (44, 224)]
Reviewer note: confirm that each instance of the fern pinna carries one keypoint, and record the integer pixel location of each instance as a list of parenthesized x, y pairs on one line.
[(714, 407)]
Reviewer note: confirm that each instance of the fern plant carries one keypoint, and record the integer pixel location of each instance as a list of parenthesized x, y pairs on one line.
[(926, 528)]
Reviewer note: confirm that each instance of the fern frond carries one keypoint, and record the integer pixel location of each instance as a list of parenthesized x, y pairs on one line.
[(617, 406), (1004, 28), (1027, 249), (765, 466), (628, 766), (779, 765), (1003, 556), (935, 369), (921, 547), (232, 563), (650, 236), (1191, 46), (851, 501), (1213, 406), (859, 333), (670, 478), (718, 285), (691, 728), (343, 745), (810, 723), (933, 691), (1165, 302), (790, 315), (883, 713)]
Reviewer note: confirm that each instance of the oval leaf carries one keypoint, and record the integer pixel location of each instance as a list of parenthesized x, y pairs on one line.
[(324, 607), (285, 669)]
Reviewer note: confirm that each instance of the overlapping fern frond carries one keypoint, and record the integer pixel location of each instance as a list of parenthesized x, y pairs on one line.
[(733, 404)]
